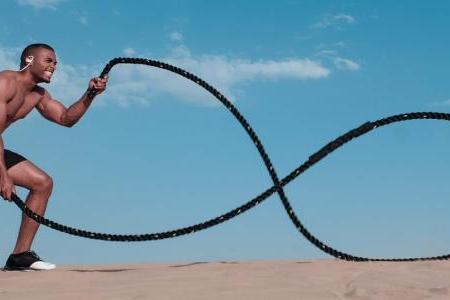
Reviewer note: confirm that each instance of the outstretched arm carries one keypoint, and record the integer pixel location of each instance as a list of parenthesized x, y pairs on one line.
[(55, 111)]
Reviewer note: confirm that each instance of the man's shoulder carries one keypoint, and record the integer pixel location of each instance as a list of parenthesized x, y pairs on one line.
[(7, 83), (8, 76), (39, 93)]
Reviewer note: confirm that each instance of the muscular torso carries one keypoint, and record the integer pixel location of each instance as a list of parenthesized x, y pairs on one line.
[(21, 102)]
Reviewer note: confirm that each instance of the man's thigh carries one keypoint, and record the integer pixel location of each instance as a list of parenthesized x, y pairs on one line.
[(26, 174)]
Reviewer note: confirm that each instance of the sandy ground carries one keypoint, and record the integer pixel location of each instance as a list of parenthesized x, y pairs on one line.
[(325, 279)]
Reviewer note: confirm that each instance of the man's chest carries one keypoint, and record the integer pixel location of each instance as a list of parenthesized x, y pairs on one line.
[(21, 105)]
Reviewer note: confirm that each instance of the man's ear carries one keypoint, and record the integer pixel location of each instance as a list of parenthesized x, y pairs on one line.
[(28, 61)]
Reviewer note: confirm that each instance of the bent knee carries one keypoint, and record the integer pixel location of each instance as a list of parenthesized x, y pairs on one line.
[(42, 183)]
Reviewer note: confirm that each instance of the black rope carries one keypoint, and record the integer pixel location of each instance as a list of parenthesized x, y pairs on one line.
[(277, 183)]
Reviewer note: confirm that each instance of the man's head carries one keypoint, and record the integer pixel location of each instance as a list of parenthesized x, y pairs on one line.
[(41, 61)]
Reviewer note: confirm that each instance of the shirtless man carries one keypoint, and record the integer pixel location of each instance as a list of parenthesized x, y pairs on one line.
[(19, 94)]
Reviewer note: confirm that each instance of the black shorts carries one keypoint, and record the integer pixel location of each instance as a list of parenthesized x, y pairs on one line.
[(12, 158)]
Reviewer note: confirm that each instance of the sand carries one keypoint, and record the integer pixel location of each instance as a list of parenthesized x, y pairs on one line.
[(320, 279)]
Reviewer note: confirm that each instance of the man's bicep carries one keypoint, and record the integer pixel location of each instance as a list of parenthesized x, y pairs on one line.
[(51, 109)]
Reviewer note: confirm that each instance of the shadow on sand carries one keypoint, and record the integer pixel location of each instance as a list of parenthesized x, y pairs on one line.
[(201, 263), (102, 271)]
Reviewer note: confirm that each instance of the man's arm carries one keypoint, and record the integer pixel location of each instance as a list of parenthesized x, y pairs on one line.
[(6, 184), (2, 128), (55, 111)]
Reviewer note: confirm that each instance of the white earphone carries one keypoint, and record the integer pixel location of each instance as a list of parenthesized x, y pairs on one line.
[(28, 60)]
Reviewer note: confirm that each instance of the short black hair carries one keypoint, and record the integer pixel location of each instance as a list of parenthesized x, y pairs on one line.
[(29, 51)]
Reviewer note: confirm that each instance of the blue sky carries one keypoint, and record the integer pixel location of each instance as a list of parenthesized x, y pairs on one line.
[(156, 152)]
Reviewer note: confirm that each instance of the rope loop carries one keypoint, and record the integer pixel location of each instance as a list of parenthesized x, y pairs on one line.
[(277, 183)]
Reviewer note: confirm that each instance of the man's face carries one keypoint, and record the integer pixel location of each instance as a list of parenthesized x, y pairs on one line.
[(43, 65)]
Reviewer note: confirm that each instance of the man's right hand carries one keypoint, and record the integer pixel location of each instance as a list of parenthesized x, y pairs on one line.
[(6, 186)]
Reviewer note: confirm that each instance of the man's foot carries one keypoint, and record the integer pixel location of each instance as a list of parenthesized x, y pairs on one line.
[(27, 260)]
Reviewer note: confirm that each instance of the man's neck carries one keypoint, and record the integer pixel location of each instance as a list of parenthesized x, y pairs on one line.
[(27, 81)]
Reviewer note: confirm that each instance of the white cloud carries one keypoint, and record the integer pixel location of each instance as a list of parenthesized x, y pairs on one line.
[(9, 58), (176, 36), (446, 103), (326, 53), (129, 51), (52, 4), (132, 84), (439, 103), (340, 63), (344, 18), (345, 64), (83, 20), (139, 83), (336, 20)]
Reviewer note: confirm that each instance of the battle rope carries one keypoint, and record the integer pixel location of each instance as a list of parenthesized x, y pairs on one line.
[(277, 184)]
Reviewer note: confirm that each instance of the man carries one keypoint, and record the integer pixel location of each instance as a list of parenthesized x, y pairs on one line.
[(19, 94)]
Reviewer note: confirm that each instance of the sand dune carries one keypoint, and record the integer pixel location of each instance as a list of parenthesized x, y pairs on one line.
[(324, 279)]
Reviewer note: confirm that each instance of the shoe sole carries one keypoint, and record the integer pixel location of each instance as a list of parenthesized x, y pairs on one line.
[(24, 269), (6, 269), (42, 266)]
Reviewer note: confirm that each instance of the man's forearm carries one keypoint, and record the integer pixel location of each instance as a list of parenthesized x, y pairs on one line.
[(74, 113), (2, 158)]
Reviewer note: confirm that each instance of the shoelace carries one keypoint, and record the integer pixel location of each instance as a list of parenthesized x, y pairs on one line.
[(34, 254)]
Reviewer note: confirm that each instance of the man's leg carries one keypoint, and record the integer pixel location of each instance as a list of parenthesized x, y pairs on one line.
[(27, 175)]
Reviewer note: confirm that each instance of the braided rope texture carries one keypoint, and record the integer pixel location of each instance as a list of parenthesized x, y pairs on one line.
[(277, 183)]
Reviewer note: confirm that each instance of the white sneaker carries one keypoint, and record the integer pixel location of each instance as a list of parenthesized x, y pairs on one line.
[(27, 260)]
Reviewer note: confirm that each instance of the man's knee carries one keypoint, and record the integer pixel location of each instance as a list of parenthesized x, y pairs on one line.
[(43, 183)]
